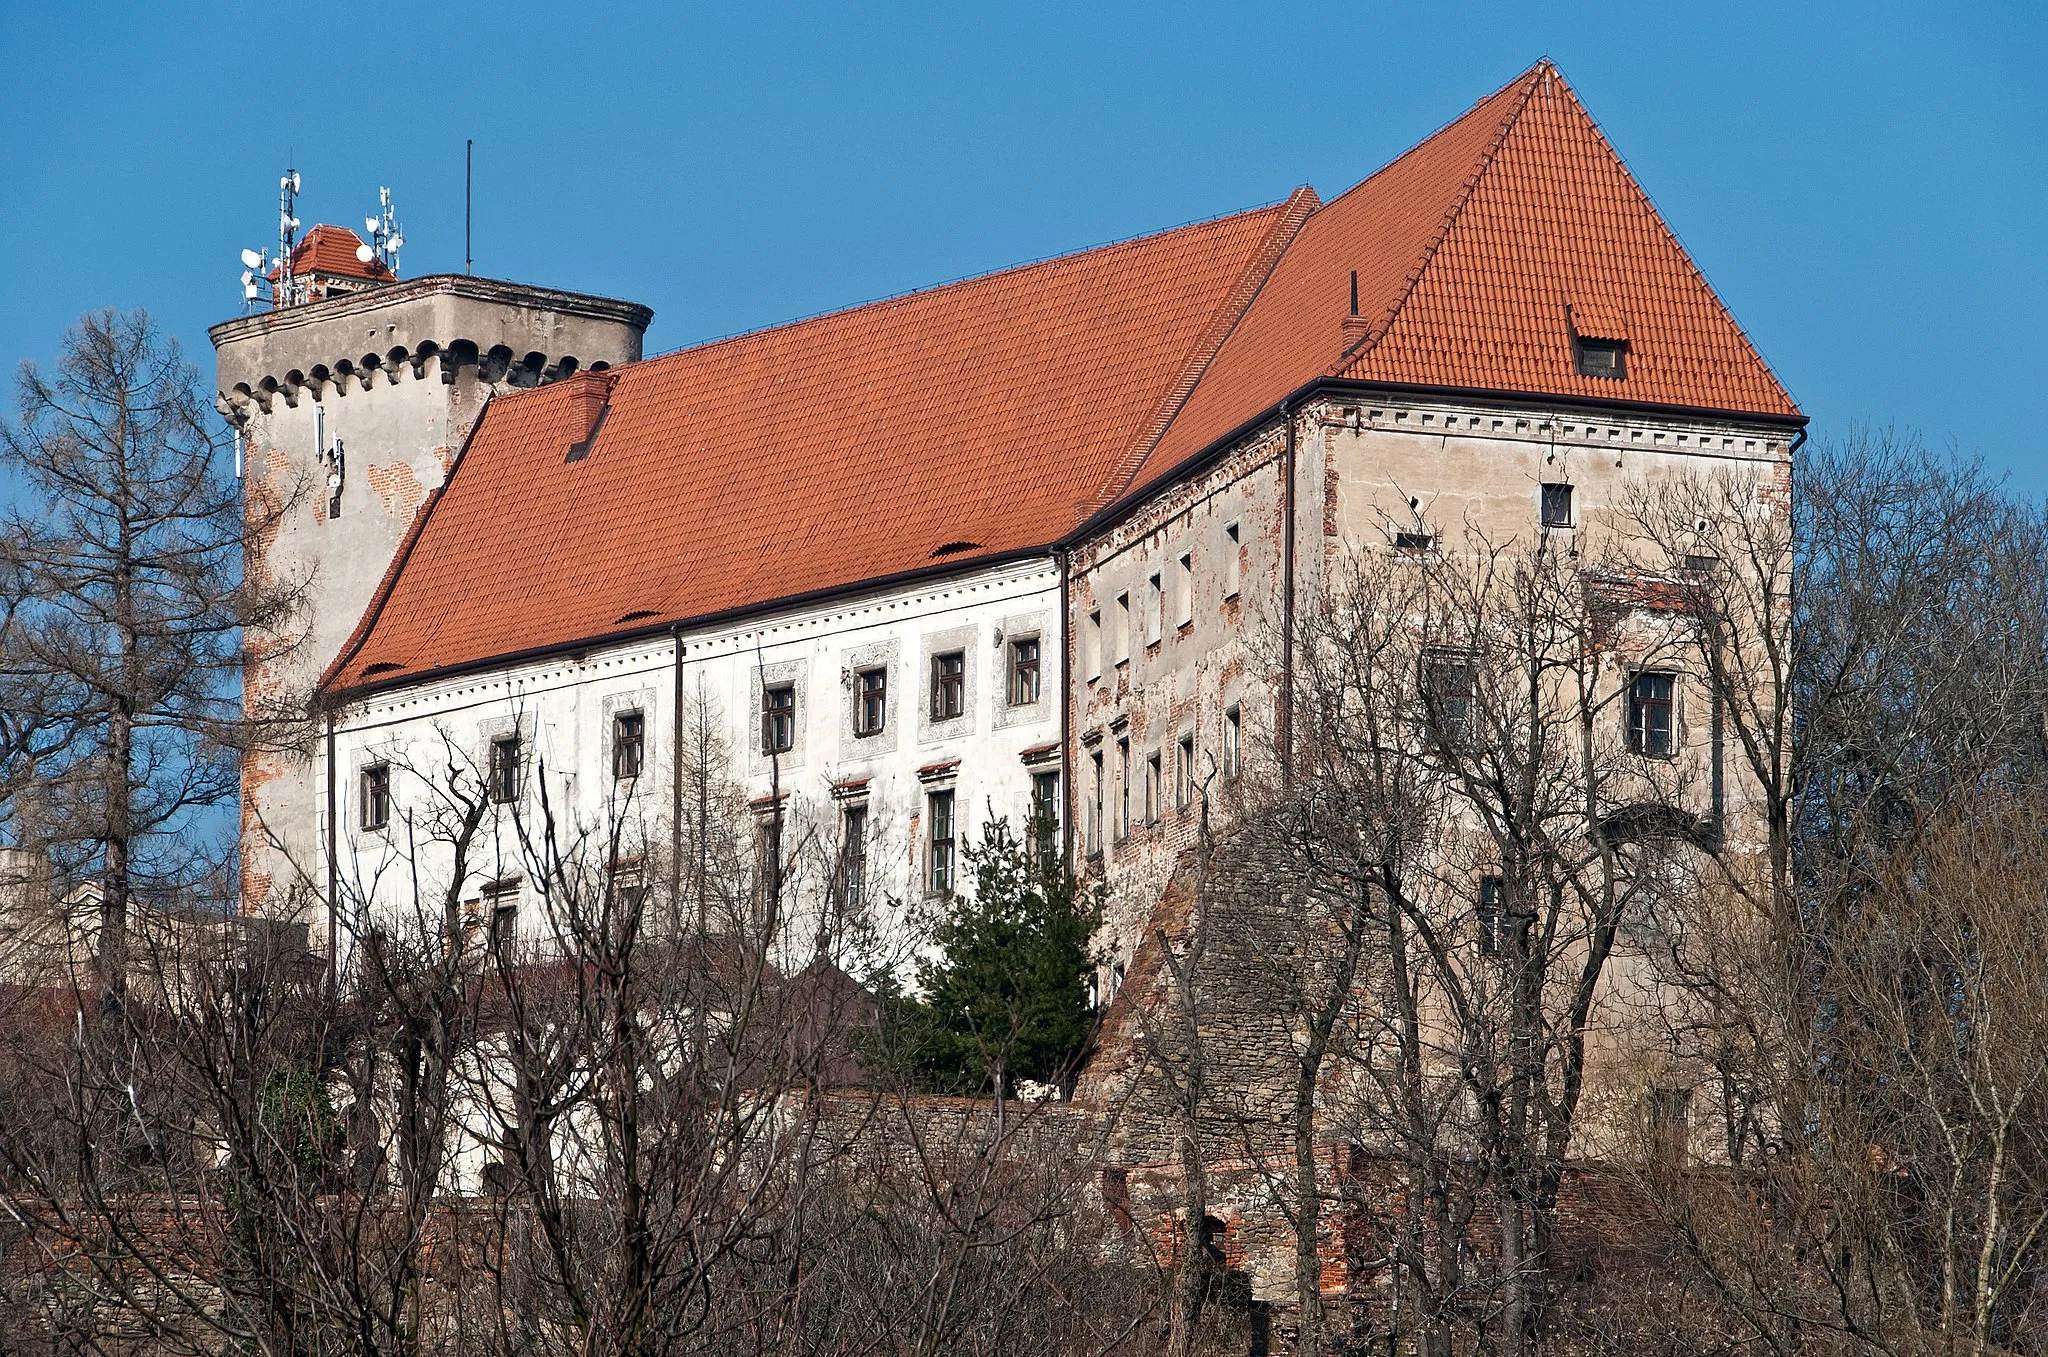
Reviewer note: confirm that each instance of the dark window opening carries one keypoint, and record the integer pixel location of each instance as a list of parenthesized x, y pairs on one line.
[(377, 796), (504, 769), (1448, 682), (1024, 672), (1557, 505), (1184, 773), (629, 744), (778, 719), (1670, 1121), (1154, 786), (1095, 819), (871, 701), (1602, 357), (768, 852), (1650, 728), (949, 685), (502, 899), (1045, 817), (1414, 541), (1233, 740)]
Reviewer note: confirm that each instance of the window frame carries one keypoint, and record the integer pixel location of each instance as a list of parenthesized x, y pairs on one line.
[(778, 719), (1549, 495), (374, 805), (634, 741), (1184, 768), (853, 854), (1233, 740), (1098, 766), (1021, 666), (1123, 789), (1155, 786), (949, 685), (1438, 662), (1184, 590), (941, 849), (1045, 814), (1490, 915), (1641, 705), (1233, 559), (1590, 351), (504, 769), (863, 693), (1124, 623)]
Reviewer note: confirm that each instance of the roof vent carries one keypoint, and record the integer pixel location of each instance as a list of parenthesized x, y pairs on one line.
[(637, 615), (381, 667), (954, 548)]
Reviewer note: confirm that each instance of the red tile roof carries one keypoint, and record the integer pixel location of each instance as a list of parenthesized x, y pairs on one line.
[(994, 415), (332, 250), (959, 423), (1472, 251)]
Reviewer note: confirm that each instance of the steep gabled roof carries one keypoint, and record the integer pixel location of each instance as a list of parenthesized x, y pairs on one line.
[(961, 423), (1474, 253)]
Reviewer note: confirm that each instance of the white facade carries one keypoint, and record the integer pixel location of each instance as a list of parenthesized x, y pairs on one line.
[(565, 711)]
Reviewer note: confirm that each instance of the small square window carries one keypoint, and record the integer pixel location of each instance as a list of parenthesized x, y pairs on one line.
[(1557, 505), (1024, 672), (870, 701), (949, 685), (377, 796), (504, 769), (1650, 726), (1602, 357), (778, 719), (629, 744)]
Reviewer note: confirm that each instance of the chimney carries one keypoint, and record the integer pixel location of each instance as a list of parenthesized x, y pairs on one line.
[(590, 397), (1356, 329)]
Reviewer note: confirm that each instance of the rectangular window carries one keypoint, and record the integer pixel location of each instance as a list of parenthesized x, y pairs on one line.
[(778, 719), (1184, 589), (1091, 645), (853, 855), (629, 744), (1447, 684), (377, 796), (501, 899), (1024, 672), (1233, 561), (1670, 1121), (1155, 609), (1123, 628), (768, 852), (949, 685), (1184, 773), (1045, 817), (1153, 788), (870, 701), (1557, 505), (1602, 358), (1493, 916), (1123, 790), (1414, 541), (1096, 794), (504, 769), (1650, 730), (1233, 740), (942, 844)]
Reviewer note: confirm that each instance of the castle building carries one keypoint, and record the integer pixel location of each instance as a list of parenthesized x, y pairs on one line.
[(996, 547)]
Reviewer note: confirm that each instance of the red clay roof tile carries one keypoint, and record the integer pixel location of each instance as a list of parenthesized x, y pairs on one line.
[(332, 250)]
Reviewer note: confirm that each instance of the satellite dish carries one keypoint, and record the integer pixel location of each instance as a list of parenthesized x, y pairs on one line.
[(251, 259), (370, 225), (365, 253)]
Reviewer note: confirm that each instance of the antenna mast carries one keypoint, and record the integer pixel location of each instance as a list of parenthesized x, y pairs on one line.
[(468, 174), (386, 237), (285, 291)]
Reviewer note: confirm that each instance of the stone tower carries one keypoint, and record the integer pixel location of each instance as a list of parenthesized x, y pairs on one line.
[(350, 409)]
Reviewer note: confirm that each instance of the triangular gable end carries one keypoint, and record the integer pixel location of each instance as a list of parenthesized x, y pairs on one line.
[(1555, 243)]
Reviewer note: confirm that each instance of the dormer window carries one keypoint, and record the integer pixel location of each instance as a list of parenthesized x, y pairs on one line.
[(1601, 357)]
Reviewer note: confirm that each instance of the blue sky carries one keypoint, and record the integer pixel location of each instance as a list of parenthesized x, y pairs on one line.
[(1866, 185)]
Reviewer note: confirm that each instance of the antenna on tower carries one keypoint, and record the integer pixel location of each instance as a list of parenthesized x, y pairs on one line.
[(285, 290), (385, 237)]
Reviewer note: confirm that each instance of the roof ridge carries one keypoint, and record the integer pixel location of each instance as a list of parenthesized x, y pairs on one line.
[(931, 289), (1299, 206), (1635, 184), (1529, 80)]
